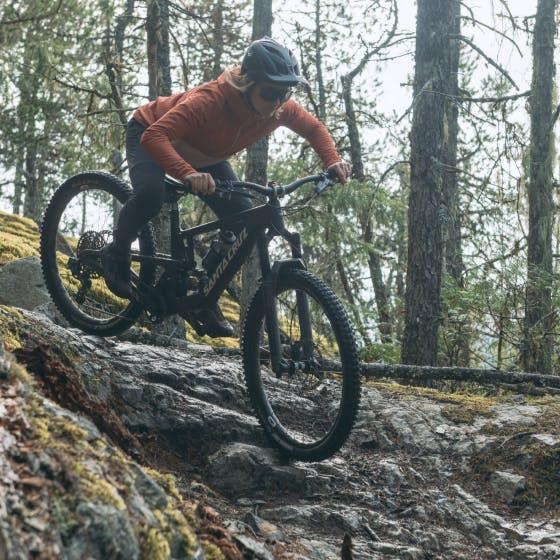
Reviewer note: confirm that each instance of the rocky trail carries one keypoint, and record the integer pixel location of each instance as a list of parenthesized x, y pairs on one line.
[(425, 474)]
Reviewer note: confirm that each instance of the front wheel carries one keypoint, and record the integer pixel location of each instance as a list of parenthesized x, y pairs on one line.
[(308, 411), (78, 222)]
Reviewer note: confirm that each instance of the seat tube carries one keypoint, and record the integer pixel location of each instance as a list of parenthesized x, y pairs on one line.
[(302, 300), (176, 241)]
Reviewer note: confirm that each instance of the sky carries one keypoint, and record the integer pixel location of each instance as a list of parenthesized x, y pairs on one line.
[(397, 97)]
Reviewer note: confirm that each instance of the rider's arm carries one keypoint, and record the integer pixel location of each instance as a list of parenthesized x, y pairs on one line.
[(296, 118), (183, 121)]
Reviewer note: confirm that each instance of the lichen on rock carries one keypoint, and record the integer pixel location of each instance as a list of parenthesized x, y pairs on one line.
[(83, 493)]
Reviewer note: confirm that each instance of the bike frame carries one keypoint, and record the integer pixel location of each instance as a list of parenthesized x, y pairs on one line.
[(253, 223)]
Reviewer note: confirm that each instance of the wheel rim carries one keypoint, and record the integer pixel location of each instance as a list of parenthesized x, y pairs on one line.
[(84, 226), (303, 407)]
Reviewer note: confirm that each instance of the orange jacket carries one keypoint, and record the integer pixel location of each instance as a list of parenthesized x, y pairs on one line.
[(212, 122)]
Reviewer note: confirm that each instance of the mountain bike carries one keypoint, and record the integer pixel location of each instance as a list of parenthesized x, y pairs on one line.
[(298, 348)]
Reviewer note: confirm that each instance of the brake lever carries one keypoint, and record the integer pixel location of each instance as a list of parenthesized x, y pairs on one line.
[(324, 183)]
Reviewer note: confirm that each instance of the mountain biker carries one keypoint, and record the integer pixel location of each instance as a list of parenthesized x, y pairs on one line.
[(190, 135)]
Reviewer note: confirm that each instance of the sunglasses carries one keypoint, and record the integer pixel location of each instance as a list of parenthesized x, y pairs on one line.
[(275, 94)]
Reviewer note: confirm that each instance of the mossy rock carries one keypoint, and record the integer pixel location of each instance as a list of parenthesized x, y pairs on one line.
[(75, 493)]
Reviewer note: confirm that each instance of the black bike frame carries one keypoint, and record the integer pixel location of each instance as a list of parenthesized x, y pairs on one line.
[(253, 223)]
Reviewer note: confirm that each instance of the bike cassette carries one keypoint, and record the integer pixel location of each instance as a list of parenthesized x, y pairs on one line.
[(90, 240)]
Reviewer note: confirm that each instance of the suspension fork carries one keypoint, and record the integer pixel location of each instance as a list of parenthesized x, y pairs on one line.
[(269, 283), (304, 318), (269, 278)]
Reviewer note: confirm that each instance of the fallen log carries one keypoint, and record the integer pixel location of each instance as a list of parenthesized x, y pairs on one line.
[(413, 373)]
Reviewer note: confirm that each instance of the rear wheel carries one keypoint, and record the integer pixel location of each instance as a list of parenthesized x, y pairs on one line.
[(309, 411), (77, 224)]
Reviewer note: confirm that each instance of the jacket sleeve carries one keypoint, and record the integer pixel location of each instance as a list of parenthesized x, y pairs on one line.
[(296, 118), (184, 121)]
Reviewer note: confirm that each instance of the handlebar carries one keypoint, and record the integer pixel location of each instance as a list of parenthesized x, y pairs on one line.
[(322, 181)]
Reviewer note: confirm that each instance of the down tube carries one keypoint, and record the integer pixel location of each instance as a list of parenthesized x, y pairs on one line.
[(227, 269)]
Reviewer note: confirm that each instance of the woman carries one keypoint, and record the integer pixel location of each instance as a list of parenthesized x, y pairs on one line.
[(190, 135)]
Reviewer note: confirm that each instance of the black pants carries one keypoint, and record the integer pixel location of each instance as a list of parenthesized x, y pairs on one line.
[(147, 180)]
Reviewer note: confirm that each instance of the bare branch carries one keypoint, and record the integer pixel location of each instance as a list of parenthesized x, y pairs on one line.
[(495, 99), (81, 89), (32, 18), (554, 119), (497, 31), (488, 59)]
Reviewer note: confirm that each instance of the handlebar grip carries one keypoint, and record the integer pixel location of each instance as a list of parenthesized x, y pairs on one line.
[(331, 174), (187, 186)]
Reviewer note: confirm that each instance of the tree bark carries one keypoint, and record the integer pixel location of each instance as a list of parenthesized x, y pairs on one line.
[(159, 66), (159, 83), (537, 351), (256, 165), (28, 86), (17, 200), (425, 243), (385, 324), (453, 267), (319, 63), (420, 374), (218, 42)]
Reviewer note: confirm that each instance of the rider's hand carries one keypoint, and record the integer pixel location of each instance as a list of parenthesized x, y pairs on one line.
[(201, 183), (341, 169)]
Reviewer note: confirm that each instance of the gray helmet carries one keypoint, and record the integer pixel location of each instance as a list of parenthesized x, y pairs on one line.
[(266, 60)]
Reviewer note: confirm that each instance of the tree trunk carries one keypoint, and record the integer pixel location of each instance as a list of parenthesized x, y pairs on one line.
[(218, 42), (18, 186), (257, 158), (385, 324), (319, 63), (32, 204), (159, 68), (453, 258), (537, 352), (159, 83), (425, 244), (115, 61), (28, 86), (353, 131)]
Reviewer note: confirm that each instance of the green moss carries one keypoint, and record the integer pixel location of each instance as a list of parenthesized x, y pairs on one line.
[(10, 322), (174, 518), (211, 551), (154, 545), (477, 404), (167, 481), (459, 414), (19, 237), (63, 435), (15, 371), (100, 473)]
